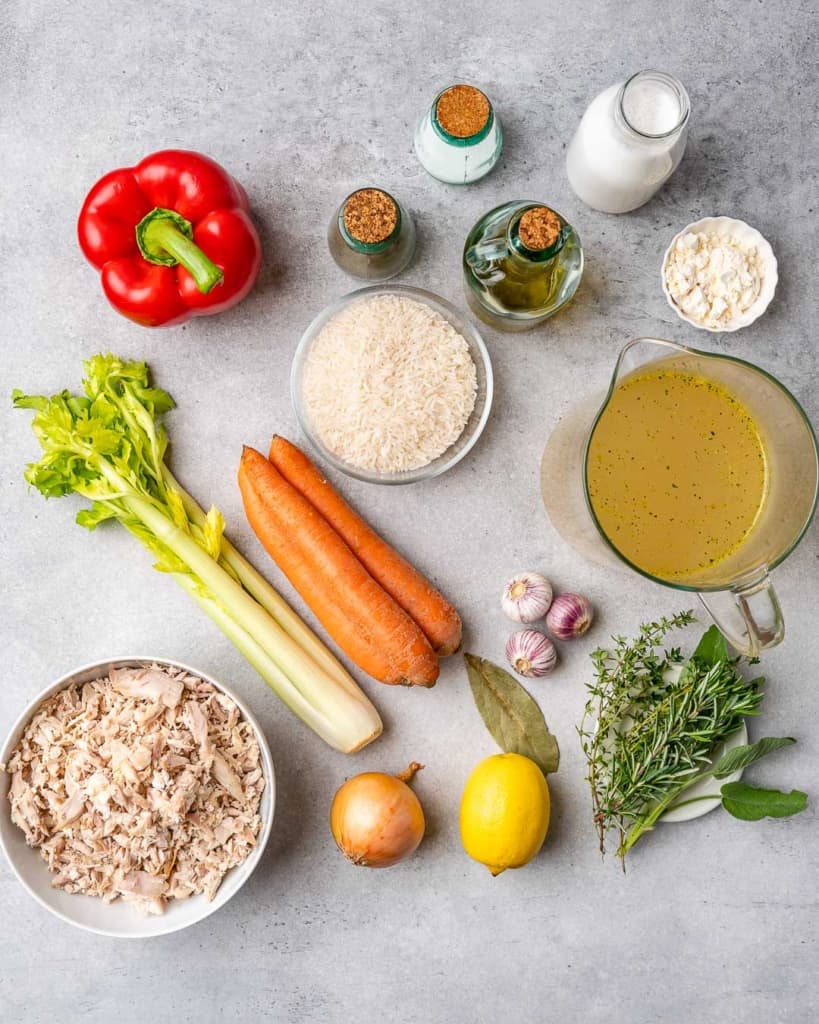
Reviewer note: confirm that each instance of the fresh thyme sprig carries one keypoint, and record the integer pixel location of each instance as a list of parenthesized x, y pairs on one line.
[(648, 733)]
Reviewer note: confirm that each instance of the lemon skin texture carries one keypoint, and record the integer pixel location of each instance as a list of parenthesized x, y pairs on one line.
[(505, 812)]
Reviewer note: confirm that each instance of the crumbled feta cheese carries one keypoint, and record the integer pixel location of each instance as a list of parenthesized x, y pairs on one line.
[(713, 278)]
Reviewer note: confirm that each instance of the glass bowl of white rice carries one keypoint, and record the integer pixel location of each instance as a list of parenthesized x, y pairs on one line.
[(391, 384)]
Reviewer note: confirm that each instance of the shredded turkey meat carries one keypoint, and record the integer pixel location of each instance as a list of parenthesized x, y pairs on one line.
[(144, 786)]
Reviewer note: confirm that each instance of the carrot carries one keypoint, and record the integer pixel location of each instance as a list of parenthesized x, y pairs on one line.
[(438, 620), (357, 612)]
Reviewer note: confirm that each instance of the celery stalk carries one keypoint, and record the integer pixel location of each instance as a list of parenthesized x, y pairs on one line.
[(267, 596), (109, 446), (336, 725)]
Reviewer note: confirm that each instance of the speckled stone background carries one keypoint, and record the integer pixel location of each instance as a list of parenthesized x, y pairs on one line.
[(717, 919)]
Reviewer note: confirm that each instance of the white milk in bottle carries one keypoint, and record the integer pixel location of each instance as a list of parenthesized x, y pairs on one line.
[(629, 142)]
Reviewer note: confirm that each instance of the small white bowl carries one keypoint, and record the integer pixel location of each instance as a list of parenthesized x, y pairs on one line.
[(748, 236), (119, 919)]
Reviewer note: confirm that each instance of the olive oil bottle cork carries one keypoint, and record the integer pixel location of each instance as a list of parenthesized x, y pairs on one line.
[(371, 236), (459, 140), (539, 229)]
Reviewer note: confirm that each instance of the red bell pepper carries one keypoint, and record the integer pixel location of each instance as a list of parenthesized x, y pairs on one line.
[(172, 238)]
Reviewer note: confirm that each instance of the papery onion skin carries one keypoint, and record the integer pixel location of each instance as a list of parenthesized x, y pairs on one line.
[(376, 819), (570, 616)]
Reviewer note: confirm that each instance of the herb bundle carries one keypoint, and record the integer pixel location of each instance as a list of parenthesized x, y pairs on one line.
[(650, 726)]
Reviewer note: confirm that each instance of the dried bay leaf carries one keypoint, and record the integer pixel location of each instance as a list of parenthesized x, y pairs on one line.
[(511, 714)]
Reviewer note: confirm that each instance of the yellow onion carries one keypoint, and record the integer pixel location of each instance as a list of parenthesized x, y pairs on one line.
[(376, 819)]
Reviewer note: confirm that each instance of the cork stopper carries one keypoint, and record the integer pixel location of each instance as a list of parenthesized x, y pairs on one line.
[(370, 216), (462, 111), (539, 228)]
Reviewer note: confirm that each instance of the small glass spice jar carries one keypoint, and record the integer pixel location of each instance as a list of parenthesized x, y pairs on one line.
[(522, 264), (459, 139), (371, 236)]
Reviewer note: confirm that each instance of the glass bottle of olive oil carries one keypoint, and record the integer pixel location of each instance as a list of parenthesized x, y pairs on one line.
[(522, 264)]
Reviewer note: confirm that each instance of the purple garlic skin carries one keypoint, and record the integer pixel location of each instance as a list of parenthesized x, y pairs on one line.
[(531, 653), (569, 616), (526, 597)]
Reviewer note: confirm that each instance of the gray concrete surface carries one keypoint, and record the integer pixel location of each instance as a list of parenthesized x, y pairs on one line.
[(717, 919)]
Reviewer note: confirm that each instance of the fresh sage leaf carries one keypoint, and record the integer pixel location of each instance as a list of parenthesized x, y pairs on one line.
[(712, 648), (511, 714), (750, 803), (741, 757)]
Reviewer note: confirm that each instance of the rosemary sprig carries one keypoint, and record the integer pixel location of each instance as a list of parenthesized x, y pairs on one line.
[(647, 736)]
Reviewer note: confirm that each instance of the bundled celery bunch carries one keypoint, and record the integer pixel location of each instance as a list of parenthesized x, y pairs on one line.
[(109, 446)]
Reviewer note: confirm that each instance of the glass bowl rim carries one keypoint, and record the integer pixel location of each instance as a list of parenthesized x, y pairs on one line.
[(464, 327)]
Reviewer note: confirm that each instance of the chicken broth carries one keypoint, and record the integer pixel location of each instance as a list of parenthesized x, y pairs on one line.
[(676, 472)]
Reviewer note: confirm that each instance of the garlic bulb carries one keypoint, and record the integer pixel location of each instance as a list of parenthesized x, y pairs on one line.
[(527, 597), (531, 653), (570, 616)]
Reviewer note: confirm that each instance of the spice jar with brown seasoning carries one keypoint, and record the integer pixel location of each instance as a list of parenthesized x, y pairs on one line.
[(371, 236), (459, 139)]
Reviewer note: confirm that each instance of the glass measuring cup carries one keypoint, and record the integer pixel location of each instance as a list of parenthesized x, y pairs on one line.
[(737, 591)]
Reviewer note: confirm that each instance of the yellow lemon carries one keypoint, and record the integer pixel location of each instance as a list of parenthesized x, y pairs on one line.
[(504, 812)]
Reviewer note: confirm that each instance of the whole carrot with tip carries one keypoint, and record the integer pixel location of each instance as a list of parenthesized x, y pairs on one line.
[(356, 611)]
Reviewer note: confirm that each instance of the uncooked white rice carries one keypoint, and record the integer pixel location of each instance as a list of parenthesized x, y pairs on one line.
[(389, 384)]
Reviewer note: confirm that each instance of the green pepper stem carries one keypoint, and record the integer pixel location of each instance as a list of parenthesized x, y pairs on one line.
[(164, 237)]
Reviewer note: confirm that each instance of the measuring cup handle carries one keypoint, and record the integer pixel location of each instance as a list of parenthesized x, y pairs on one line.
[(749, 616)]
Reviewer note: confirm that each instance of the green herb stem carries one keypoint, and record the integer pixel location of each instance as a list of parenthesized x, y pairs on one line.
[(648, 736), (109, 446), (267, 596), (650, 819)]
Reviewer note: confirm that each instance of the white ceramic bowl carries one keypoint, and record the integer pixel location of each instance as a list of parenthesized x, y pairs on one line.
[(474, 425), (748, 236), (120, 919)]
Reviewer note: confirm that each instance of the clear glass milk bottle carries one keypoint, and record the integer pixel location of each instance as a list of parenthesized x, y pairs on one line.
[(629, 142), (522, 263)]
